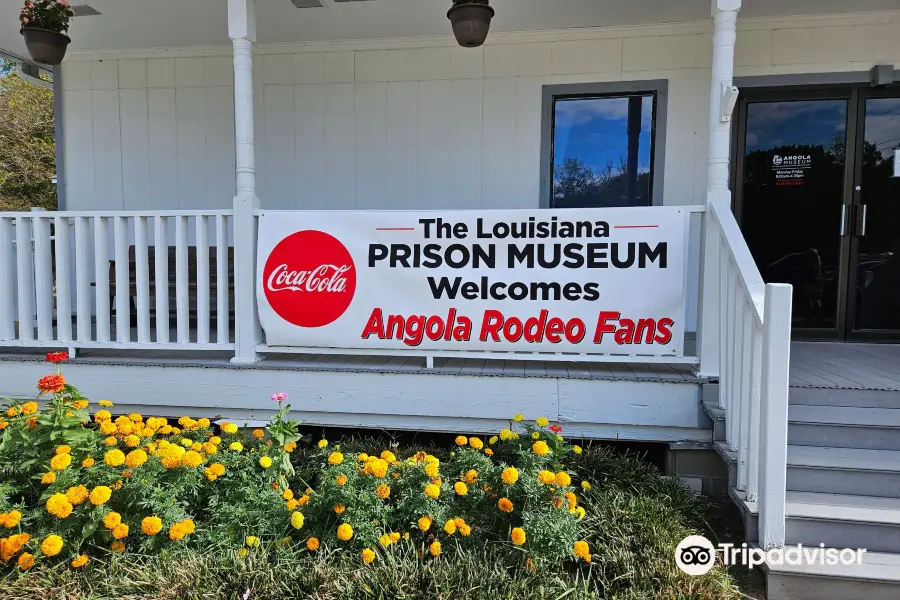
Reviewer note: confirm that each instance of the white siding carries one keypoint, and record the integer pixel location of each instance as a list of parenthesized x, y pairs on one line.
[(404, 124)]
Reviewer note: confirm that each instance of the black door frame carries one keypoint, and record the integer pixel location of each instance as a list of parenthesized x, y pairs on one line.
[(850, 93), (874, 335)]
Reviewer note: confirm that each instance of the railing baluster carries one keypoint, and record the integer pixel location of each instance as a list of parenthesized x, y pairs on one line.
[(7, 281), (724, 265), (202, 280), (728, 351), (743, 430), (123, 281), (182, 293), (222, 310), (63, 280), (753, 432), (101, 276), (142, 279), (82, 279), (25, 278), (161, 258), (734, 384), (43, 278)]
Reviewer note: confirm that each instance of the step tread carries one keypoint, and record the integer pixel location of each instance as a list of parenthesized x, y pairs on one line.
[(844, 415), (840, 507), (876, 566), (843, 458)]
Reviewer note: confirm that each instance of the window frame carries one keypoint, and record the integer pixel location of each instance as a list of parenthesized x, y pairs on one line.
[(658, 88)]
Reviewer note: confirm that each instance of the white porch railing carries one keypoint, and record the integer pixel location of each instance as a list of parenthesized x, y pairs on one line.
[(754, 332), (56, 271)]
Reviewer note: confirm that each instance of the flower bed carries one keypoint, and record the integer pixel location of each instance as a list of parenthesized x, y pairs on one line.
[(82, 482)]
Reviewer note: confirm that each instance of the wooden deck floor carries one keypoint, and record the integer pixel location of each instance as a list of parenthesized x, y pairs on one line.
[(845, 366)]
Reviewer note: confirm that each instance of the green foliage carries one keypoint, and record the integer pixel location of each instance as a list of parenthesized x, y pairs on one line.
[(27, 143)]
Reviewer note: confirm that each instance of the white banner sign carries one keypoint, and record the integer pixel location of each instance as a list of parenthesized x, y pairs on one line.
[(598, 281)]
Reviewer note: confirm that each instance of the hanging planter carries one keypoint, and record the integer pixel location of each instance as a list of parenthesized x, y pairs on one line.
[(44, 23), (471, 21)]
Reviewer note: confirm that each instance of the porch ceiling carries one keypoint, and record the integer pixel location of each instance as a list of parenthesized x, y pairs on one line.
[(172, 23)]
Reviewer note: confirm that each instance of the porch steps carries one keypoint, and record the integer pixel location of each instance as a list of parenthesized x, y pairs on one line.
[(844, 427), (877, 578)]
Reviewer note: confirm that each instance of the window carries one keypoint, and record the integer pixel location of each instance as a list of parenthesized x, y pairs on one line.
[(602, 146)]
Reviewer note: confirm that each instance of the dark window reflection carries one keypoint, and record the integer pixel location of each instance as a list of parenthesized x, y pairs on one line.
[(602, 151), (793, 185)]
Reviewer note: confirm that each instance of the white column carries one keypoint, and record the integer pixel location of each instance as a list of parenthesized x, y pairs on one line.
[(721, 102), (242, 31)]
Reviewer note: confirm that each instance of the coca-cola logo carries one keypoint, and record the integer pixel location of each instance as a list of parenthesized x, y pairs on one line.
[(309, 279)]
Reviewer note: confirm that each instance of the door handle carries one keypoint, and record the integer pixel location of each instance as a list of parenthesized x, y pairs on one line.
[(845, 229), (861, 220)]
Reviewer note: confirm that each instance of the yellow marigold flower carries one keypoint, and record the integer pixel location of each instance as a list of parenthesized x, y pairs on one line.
[(297, 520), (292, 504), (59, 506), (290, 447), (341, 480), (471, 476), (344, 532), (100, 495), (488, 451), (192, 459), (304, 499), (460, 488), (579, 512), (189, 526), (79, 561), (563, 478), (388, 456), (540, 448), (510, 475), (435, 549), (542, 422), (425, 523), (111, 441), (572, 500), (26, 561), (11, 519), (464, 530), (476, 443), (12, 412), (186, 442), (450, 527), (111, 520), (383, 491), (108, 428), (518, 536), (124, 425), (63, 450), (120, 531), (77, 495), (518, 418), (48, 478), (135, 458), (87, 463), (215, 440), (132, 441), (385, 540), (104, 403), (312, 544), (432, 490), (547, 477), (582, 551), (339, 509), (395, 537), (462, 440), (536, 435), (114, 458), (322, 444), (52, 545), (265, 462), (29, 408), (506, 434), (218, 468), (229, 428), (242, 553), (135, 417), (197, 447), (287, 494), (377, 467), (493, 440), (252, 541), (60, 462), (505, 505), (259, 434), (117, 547), (368, 556), (335, 458), (151, 525), (177, 532), (235, 446), (78, 404), (432, 469), (203, 423), (102, 415)]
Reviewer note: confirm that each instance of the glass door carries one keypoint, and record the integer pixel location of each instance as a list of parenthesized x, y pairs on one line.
[(792, 198), (874, 294)]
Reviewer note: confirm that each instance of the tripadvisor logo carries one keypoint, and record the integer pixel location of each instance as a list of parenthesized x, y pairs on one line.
[(695, 555)]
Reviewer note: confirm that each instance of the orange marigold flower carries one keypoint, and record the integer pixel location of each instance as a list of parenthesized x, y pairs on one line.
[(259, 434), (26, 561), (51, 384), (505, 505), (118, 547)]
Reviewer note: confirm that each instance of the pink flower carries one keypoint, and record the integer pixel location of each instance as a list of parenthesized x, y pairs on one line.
[(279, 397), (555, 428), (30, 5), (25, 20)]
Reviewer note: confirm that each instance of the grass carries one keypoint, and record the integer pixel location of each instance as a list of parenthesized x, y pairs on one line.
[(635, 519)]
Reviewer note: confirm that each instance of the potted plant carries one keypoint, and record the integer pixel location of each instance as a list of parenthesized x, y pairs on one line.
[(44, 23), (471, 21)]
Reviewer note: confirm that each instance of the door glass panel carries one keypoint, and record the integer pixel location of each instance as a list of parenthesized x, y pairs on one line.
[(792, 195), (878, 259), (602, 151)]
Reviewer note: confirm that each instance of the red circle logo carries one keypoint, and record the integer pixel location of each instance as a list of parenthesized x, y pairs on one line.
[(309, 279)]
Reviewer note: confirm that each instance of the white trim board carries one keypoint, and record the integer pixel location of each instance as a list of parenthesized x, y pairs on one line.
[(626, 410)]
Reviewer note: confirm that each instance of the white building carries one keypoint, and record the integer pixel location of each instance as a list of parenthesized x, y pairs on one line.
[(181, 123)]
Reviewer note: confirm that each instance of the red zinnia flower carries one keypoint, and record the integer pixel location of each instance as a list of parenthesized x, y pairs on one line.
[(56, 357), (51, 384), (555, 428)]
